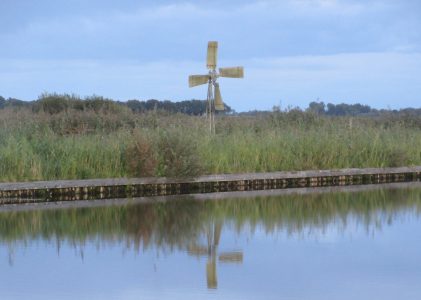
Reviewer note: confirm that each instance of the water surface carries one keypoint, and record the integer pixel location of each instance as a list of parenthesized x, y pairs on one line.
[(337, 245)]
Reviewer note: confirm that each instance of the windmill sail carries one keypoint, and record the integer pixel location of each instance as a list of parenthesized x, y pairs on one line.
[(197, 250), (195, 80), (212, 55), (231, 257), (214, 99), (211, 278), (234, 72), (219, 104)]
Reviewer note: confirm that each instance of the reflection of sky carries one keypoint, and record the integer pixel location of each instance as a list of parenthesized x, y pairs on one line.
[(330, 264)]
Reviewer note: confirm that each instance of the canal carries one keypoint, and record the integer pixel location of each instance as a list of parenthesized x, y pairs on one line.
[(332, 243)]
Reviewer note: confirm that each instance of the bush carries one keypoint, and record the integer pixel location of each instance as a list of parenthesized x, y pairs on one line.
[(55, 103), (140, 156), (52, 104), (178, 155)]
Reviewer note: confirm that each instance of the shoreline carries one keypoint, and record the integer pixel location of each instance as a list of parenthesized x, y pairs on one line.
[(117, 188), (52, 205)]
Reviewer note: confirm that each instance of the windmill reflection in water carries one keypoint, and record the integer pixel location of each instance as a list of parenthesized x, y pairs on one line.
[(213, 234)]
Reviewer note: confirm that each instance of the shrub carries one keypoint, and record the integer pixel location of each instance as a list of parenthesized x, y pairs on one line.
[(140, 156), (178, 155)]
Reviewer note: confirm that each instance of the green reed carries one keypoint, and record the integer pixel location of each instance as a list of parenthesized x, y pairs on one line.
[(73, 144)]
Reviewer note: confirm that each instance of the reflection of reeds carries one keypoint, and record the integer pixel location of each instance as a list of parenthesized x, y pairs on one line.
[(108, 140), (179, 223)]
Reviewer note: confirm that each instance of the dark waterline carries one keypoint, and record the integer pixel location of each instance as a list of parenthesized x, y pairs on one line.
[(337, 245)]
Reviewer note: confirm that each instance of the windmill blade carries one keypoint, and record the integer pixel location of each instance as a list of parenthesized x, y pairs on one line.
[(233, 72), (219, 105), (211, 279), (197, 250), (231, 257), (195, 80), (212, 55), (217, 228)]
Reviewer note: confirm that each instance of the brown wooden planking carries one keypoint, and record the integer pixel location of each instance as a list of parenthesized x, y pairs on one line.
[(68, 190)]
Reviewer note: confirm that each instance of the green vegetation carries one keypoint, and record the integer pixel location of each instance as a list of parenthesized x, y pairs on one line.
[(64, 137), (54, 103), (178, 223)]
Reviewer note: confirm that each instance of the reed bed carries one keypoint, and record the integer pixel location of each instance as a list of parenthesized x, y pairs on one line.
[(115, 142)]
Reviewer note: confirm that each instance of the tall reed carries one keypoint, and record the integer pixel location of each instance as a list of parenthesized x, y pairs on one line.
[(96, 143)]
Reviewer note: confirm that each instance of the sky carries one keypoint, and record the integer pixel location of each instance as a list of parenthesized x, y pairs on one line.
[(293, 51)]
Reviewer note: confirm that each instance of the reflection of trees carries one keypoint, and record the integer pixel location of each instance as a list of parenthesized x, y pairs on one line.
[(181, 223), (197, 225)]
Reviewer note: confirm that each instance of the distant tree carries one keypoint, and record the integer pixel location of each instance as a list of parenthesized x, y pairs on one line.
[(190, 107), (361, 109), (13, 102), (276, 108), (343, 109), (2, 102), (317, 107), (136, 105), (56, 103)]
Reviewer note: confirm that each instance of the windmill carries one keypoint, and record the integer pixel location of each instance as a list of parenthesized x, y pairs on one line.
[(211, 251), (214, 99)]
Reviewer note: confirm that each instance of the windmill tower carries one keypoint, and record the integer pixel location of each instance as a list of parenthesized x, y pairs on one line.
[(214, 99)]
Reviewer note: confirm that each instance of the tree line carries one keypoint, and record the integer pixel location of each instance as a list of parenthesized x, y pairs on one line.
[(55, 103), (357, 109), (190, 107)]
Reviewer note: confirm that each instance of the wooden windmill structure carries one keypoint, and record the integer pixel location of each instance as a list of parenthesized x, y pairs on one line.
[(214, 99), (211, 252)]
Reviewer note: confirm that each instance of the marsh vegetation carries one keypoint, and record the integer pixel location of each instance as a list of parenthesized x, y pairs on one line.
[(62, 137)]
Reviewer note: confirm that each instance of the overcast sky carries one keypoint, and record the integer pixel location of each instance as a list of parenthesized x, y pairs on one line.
[(293, 52)]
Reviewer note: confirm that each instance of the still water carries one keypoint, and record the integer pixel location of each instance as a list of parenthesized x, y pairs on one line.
[(324, 245)]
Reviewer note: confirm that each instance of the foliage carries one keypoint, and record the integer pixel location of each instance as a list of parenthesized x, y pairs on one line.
[(58, 103), (178, 223), (63, 137), (54, 104), (190, 107), (140, 156), (178, 155)]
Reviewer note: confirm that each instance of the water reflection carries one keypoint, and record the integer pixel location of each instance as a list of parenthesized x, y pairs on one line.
[(213, 236), (196, 227)]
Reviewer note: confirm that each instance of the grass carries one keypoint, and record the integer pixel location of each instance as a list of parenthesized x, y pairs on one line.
[(110, 141)]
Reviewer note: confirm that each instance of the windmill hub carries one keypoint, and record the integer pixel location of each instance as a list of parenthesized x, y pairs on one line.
[(214, 99)]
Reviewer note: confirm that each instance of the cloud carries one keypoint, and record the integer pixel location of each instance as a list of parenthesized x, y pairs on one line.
[(378, 79), (257, 28), (338, 50)]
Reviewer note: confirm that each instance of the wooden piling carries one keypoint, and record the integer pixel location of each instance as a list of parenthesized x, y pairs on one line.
[(71, 190)]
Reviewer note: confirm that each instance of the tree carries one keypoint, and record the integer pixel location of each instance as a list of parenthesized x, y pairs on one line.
[(317, 107), (2, 102)]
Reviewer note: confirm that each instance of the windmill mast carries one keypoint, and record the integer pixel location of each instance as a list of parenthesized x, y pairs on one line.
[(210, 114), (211, 58), (214, 99)]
